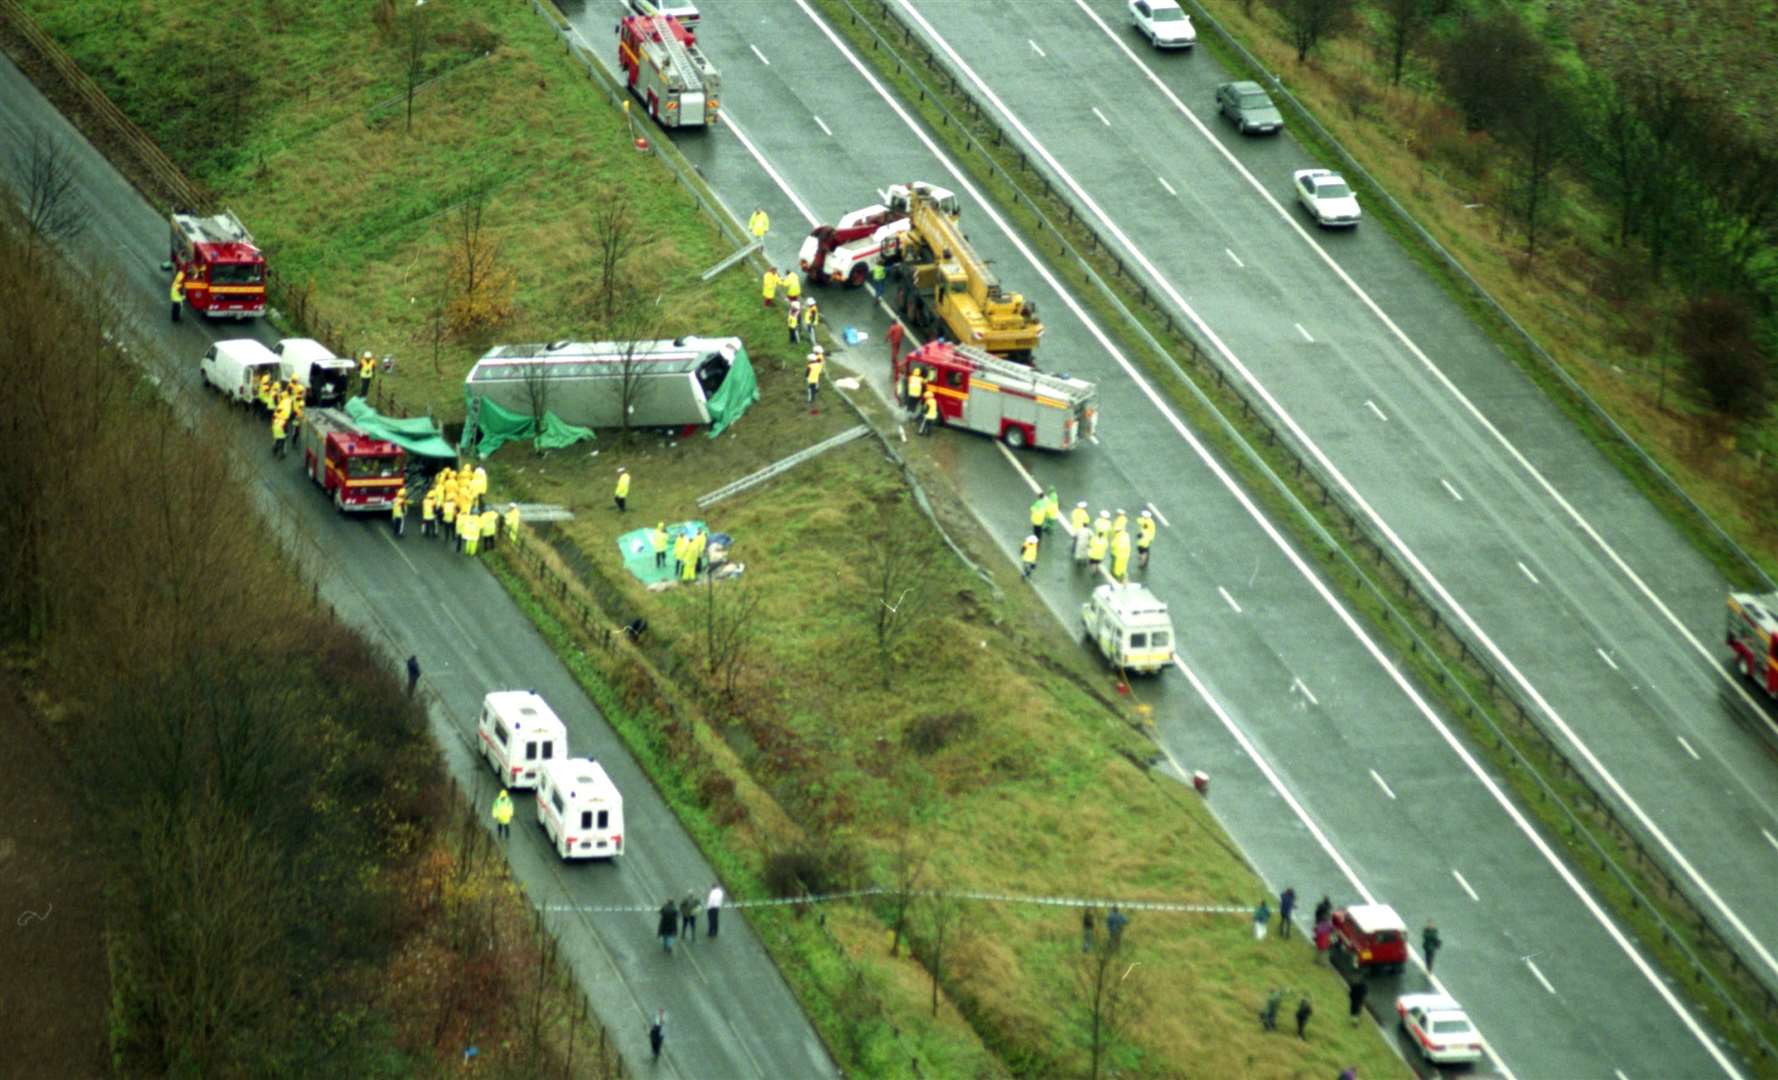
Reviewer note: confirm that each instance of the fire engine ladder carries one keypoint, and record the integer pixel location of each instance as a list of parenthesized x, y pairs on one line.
[(1065, 388), (689, 79)]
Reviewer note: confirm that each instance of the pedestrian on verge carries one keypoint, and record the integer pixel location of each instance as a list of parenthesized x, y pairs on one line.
[(503, 814), (768, 286), (177, 293), (793, 321), (1262, 917), (1114, 926), (688, 915), (894, 338), (1323, 940), (1355, 998), (622, 493), (1028, 555), (669, 925), (413, 674), (930, 416), (1286, 908), (1323, 910), (512, 523), (1268, 1016), (811, 318), (657, 537), (1086, 930), (817, 364), (1430, 944), (367, 370), (713, 908), (657, 1033), (793, 286), (1350, 1072), (1304, 1010)]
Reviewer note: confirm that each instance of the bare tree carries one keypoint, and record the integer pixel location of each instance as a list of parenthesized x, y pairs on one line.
[(944, 918), (419, 41), (1107, 996), (480, 285), (729, 627), (908, 857), (1402, 28), (630, 328), (1309, 22), (1540, 134), (899, 572), (611, 233), (43, 177)]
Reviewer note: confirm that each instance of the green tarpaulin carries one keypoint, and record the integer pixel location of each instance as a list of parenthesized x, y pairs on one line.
[(637, 549), (499, 425), (735, 396), (416, 434)]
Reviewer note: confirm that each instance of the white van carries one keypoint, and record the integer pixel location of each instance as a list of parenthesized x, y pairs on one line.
[(327, 377), (234, 367), (519, 735), (580, 809)]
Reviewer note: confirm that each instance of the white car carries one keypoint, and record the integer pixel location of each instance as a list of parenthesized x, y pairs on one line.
[(1440, 1028), (683, 10), (1163, 24), (1326, 197)]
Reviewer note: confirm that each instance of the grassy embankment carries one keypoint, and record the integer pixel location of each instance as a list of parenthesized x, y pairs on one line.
[(1549, 789), (1593, 307), (1027, 775)]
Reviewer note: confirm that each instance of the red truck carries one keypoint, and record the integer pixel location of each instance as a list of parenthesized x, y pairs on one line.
[(359, 471), (224, 271)]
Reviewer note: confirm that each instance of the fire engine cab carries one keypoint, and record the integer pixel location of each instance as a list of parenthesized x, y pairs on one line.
[(1753, 635), (667, 71), (224, 271), (845, 252), (359, 471), (1002, 399)]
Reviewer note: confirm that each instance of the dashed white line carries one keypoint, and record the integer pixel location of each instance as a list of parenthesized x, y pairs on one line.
[(1451, 489), (1036, 48), (1381, 784), (1603, 655), (1158, 516), (1770, 839), (729, 125), (1101, 116), (1235, 257), (762, 56), (1526, 570), (1539, 974), (1372, 406), (1305, 333), (1230, 599), (1688, 748), (823, 127), (1466, 888), (1304, 687), (1619, 1073), (1170, 190)]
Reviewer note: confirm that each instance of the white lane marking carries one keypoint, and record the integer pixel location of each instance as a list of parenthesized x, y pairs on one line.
[(1451, 489), (1305, 333), (1235, 257), (1555, 862), (1526, 570), (1619, 1073), (1481, 637), (1094, 439), (1170, 191), (1603, 655), (468, 637), (1158, 516), (1230, 599), (1372, 406), (1539, 974), (1036, 48), (1770, 839), (1463, 882), (823, 126), (1688, 748), (730, 125), (1304, 687), (1030, 481), (1381, 784), (390, 536), (762, 56), (1101, 116)]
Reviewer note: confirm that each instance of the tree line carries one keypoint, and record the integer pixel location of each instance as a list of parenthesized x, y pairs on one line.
[(282, 893)]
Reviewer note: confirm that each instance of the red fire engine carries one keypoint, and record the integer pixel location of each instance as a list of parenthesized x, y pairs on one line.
[(667, 71), (359, 471), (224, 271), (1753, 635), (1006, 400)]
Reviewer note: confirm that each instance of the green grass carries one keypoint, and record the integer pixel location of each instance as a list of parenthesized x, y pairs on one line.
[(1042, 795)]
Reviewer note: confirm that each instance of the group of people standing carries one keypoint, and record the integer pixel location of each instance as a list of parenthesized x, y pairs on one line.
[(458, 498), (283, 402), (681, 918), (1094, 538)]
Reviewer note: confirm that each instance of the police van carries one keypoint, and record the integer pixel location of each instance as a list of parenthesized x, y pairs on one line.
[(233, 367), (580, 809), (519, 735)]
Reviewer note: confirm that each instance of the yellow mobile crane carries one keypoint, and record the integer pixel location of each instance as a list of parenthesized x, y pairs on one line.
[(944, 287)]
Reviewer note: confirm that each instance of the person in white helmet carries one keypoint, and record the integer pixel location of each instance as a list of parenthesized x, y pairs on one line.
[(1081, 521), (1028, 555), (1145, 530)]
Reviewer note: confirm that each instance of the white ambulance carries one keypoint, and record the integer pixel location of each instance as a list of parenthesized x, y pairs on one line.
[(519, 735), (580, 809)]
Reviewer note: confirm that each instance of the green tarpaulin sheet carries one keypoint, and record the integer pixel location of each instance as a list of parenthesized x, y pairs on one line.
[(735, 396), (499, 425), (416, 434), (637, 551)]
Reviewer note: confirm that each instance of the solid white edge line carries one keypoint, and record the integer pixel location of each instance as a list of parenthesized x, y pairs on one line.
[(1381, 784), (1018, 467), (1464, 882), (1395, 541), (1555, 861), (729, 124)]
